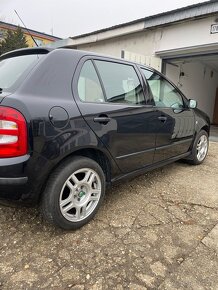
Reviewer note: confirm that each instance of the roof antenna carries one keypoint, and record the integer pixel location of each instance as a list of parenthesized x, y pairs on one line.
[(26, 28)]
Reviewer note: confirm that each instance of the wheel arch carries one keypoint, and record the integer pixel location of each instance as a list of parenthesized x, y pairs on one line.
[(95, 154), (206, 128)]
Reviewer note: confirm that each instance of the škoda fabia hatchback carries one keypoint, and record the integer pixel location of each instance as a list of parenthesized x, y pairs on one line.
[(72, 122)]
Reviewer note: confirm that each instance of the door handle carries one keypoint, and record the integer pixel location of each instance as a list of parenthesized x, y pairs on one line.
[(102, 119), (162, 119)]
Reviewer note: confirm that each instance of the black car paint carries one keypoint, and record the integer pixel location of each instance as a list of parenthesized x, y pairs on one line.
[(44, 97)]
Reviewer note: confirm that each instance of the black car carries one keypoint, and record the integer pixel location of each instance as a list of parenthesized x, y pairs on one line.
[(72, 122)]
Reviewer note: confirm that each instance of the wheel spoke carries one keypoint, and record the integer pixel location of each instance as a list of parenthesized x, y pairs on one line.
[(89, 177), (204, 151), (205, 145), (200, 154), (67, 200), (68, 207), (78, 213), (96, 191), (199, 144), (83, 210), (93, 198), (75, 179), (70, 185)]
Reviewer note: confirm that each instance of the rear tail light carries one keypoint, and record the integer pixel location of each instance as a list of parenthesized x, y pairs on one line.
[(13, 133)]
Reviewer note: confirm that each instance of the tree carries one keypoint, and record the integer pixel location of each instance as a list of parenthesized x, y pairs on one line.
[(13, 40)]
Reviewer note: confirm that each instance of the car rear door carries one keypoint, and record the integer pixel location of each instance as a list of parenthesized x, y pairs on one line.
[(110, 96), (177, 123)]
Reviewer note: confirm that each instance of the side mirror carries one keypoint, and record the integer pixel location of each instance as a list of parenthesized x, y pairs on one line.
[(192, 104)]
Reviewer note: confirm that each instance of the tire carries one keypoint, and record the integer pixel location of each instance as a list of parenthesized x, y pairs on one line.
[(74, 193), (200, 148)]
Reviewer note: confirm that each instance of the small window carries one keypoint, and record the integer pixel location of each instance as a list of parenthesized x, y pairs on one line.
[(164, 94), (89, 87), (121, 83), (14, 70)]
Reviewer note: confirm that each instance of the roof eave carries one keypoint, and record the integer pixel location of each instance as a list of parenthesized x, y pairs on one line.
[(159, 20)]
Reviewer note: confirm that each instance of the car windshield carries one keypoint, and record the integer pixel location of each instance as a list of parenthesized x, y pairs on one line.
[(13, 70)]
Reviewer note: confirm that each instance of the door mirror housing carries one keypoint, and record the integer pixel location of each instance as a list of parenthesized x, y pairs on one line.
[(192, 104)]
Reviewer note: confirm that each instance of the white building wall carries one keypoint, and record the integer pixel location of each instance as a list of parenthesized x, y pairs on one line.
[(199, 82), (141, 42), (188, 35), (185, 35)]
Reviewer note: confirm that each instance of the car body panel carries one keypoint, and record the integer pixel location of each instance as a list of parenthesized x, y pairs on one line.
[(175, 135), (130, 133)]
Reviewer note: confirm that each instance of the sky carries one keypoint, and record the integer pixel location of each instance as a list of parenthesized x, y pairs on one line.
[(68, 18)]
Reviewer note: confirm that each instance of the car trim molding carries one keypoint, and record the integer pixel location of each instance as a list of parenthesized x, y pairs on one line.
[(149, 168), (135, 153), (13, 180), (174, 143)]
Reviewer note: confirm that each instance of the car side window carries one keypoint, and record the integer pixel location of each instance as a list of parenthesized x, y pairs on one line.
[(89, 87), (164, 94), (121, 82)]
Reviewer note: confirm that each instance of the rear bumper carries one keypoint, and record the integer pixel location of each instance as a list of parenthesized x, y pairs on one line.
[(13, 161), (13, 178), (23, 178)]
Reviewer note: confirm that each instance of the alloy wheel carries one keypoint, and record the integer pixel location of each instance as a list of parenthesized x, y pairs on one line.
[(202, 147), (80, 194)]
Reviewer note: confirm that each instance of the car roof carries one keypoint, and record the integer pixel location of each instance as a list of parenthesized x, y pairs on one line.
[(82, 53)]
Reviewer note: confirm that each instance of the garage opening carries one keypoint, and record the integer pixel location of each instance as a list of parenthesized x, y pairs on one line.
[(197, 78)]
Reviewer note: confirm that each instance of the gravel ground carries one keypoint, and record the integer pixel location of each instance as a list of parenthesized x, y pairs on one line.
[(158, 231)]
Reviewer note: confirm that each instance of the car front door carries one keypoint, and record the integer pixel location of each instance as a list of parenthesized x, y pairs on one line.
[(110, 96), (177, 123)]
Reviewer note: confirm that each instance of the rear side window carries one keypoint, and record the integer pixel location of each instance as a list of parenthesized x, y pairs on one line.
[(121, 82), (14, 70), (89, 87)]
